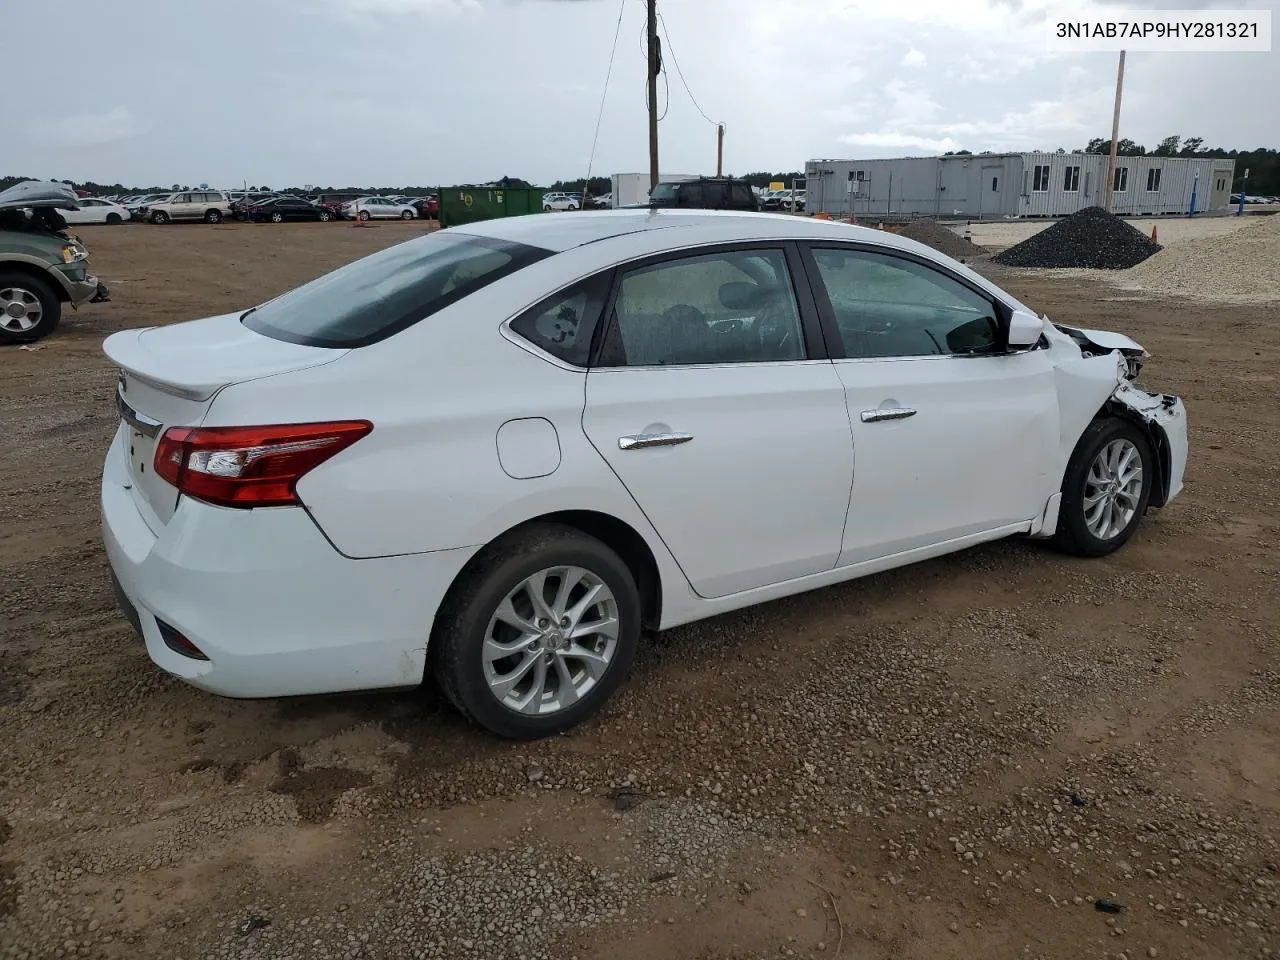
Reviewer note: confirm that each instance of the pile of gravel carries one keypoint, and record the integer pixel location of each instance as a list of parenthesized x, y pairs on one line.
[(1242, 266), (944, 240), (1089, 238)]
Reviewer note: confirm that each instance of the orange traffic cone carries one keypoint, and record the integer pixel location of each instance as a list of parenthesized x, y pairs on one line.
[(1153, 233)]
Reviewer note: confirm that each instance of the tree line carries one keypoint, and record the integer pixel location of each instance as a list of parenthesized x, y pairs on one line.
[(1263, 164)]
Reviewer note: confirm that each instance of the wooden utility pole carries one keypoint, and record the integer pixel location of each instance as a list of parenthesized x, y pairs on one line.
[(655, 62), (1115, 134), (719, 149)]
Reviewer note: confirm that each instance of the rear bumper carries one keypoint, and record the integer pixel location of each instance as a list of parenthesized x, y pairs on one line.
[(276, 609)]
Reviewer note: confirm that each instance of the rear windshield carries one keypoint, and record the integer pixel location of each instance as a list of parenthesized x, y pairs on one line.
[(382, 294)]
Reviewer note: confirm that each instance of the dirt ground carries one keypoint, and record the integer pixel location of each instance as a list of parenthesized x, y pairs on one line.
[(961, 759)]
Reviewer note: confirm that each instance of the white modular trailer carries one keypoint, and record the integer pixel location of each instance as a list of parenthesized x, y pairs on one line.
[(999, 185), (631, 188)]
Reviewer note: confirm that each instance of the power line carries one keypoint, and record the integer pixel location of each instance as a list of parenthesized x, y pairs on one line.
[(586, 187), (680, 73)]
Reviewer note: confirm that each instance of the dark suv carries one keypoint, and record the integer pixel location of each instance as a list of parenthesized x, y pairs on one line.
[(705, 193)]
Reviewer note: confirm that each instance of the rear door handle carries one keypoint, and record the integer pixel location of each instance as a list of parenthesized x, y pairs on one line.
[(887, 413), (641, 440)]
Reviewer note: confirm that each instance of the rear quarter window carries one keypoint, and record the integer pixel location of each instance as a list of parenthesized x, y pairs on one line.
[(382, 294)]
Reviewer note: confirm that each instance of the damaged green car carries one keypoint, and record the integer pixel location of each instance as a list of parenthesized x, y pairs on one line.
[(41, 265)]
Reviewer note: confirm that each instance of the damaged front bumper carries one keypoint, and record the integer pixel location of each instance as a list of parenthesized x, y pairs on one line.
[(1167, 415)]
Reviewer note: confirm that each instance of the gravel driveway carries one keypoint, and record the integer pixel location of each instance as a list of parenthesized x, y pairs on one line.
[(978, 756)]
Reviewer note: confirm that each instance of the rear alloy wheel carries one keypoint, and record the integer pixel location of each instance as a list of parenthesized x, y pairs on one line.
[(539, 634), (277, 217), (1106, 488), (325, 216), (406, 215), (29, 309), (114, 218), (546, 208), (213, 216)]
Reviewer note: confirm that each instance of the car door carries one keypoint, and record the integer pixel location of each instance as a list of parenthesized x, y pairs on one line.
[(953, 435), (182, 207), (90, 211), (712, 401)]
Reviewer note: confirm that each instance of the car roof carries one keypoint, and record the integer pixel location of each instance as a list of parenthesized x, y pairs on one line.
[(563, 232)]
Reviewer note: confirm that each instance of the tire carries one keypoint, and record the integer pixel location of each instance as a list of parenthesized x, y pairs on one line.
[(1106, 441), (324, 216), (406, 215), (160, 217), (501, 572), (114, 218), (546, 208), (363, 215), (213, 216), (39, 304), (277, 217)]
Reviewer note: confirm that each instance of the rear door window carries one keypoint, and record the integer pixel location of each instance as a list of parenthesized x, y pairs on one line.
[(382, 294)]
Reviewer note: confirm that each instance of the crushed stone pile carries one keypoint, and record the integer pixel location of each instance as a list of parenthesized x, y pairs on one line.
[(944, 240), (1241, 266), (1090, 238)]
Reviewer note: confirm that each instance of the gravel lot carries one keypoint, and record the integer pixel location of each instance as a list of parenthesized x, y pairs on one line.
[(996, 236), (960, 759)]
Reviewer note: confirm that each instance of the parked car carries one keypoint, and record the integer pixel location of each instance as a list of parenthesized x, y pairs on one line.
[(560, 201), (41, 266), (704, 193), (207, 205), (280, 209), (784, 200), (356, 479), (138, 206), (241, 205), (377, 208), (96, 210), (428, 208)]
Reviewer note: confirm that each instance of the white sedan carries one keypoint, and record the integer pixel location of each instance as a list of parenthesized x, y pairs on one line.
[(95, 210), (377, 208), (495, 453)]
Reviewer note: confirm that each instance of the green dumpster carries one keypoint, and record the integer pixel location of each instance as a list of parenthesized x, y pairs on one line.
[(467, 204)]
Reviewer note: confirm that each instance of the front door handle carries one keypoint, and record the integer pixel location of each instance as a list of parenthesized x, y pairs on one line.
[(887, 413), (641, 440)]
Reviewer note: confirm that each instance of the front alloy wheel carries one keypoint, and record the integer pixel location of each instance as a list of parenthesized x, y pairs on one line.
[(537, 633), (1106, 488)]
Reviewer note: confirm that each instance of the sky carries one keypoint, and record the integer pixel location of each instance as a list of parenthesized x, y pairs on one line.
[(424, 92)]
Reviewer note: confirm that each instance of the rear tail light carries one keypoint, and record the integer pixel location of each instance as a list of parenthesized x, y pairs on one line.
[(250, 466)]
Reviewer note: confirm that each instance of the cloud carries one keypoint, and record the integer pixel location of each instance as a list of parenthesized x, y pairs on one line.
[(91, 129), (897, 140), (914, 58)]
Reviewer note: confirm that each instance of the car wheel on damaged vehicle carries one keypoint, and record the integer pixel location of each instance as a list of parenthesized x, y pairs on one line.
[(538, 633), (1106, 488), (29, 309)]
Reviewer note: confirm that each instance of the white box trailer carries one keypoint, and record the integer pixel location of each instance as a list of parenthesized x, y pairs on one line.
[(631, 188)]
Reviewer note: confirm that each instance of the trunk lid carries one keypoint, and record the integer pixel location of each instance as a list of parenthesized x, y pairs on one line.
[(169, 377)]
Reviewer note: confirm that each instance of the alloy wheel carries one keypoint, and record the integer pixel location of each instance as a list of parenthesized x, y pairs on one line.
[(20, 310), (551, 640), (1113, 489)]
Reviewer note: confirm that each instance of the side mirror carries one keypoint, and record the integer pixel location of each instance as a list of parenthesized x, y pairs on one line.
[(1025, 330)]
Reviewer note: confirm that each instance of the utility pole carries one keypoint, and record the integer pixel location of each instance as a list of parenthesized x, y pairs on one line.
[(1115, 134), (655, 63), (719, 149)]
